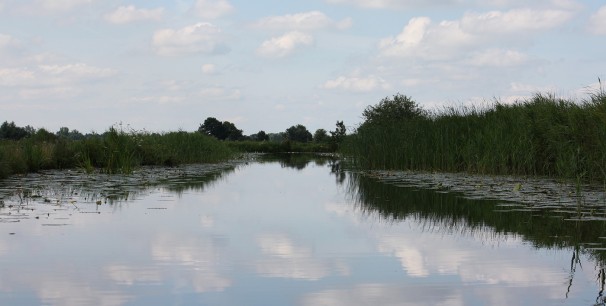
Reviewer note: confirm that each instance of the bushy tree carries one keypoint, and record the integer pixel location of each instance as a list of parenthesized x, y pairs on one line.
[(298, 133), (321, 136), (389, 110), (260, 136), (220, 130), (13, 132), (231, 131)]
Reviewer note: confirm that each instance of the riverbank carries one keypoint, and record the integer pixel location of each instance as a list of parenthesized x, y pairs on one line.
[(541, 136), (114, 151)]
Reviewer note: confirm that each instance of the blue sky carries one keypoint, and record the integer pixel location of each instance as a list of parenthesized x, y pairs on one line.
[(268, 65)]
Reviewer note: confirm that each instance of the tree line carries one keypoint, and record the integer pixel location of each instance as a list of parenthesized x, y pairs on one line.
[(225, 130), (222, 130)]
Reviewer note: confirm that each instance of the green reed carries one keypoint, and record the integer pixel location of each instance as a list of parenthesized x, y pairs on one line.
[(544, 135), (115, 151)]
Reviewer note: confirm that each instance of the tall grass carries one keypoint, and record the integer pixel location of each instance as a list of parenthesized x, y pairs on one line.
[(116, 151), (544, 135)]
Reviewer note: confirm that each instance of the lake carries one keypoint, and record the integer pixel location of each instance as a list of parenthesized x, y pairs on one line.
[(290, 230)]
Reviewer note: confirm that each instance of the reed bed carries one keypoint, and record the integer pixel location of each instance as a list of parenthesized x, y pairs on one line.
[(544, 135), (115, 151)]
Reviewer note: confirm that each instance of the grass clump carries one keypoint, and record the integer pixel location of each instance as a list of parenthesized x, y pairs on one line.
[(543, 135)]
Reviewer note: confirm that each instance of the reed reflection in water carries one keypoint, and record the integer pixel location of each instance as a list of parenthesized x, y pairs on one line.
[(290, 230)]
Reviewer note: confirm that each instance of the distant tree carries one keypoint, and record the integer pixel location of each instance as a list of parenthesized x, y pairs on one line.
[(220, 130), (64, 132), (213, 127), (44, 135), (277, 137), (232, 132), (12, 131), (339, 133), (321, 136), (389, 110), (298, 133), (261, 136)]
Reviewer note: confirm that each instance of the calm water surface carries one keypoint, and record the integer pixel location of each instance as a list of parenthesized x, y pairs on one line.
[(281, 232)]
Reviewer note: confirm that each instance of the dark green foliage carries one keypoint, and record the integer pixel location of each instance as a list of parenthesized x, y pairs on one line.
[(298, 133), (542, 136), (220, 130), (13, 132), (260, 136), (321, 136), (392, 110)]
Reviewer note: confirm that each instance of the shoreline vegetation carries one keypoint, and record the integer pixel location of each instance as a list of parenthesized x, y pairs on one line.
[(541, 136)]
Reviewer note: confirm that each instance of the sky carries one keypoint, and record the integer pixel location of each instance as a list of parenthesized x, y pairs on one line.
[(270, 64)]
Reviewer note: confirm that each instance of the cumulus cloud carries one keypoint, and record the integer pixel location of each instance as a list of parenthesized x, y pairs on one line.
[(128, 14), (51, 81), (357, 83), (385, 4), (198, 38), (446, 40), (285, 45), (212, 9), (514, 21), (307, 21), (597, 22)]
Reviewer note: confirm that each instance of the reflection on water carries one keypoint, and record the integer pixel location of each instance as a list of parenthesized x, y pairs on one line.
[(284, 230)]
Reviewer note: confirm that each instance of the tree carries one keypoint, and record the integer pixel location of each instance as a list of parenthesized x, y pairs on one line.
[(231, 131), (298, 133), (12, 131), (339, 133), (321, 136), (213, 127), (398, 108), (261, 136)]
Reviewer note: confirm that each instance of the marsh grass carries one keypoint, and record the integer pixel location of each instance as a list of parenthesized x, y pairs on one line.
[(115, 151), (544, 135)]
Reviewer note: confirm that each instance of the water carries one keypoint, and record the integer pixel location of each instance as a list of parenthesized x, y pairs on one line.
[(281, 231)]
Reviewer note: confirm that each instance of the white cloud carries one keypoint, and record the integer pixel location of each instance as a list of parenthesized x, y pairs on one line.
[(212, 9), (15, 76), (597, 22), (209, 69), (77, 71), (219, 93), (198, 38), (357, 83), (7, 41), (50, 6), (450, 39), (284, 45), (127, 14), (307, 21), (514, 21), (498, 58), (386, 4)]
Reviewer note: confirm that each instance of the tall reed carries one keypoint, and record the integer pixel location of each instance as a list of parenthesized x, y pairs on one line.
[(544, 135), (115, 151)]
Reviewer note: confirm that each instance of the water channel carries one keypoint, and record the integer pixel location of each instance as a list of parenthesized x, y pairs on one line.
[(288, 230)]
